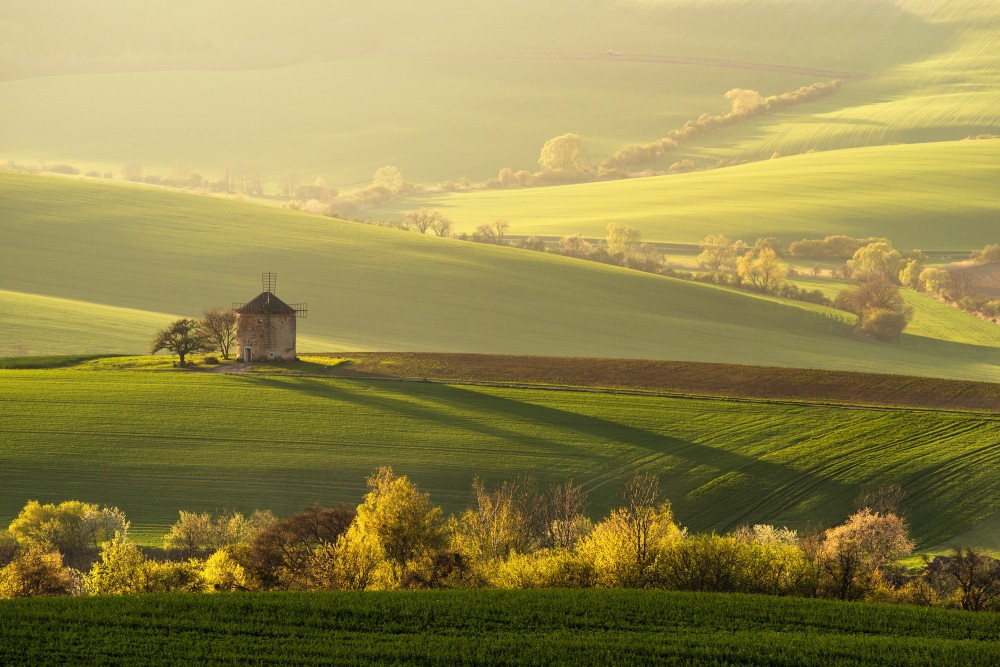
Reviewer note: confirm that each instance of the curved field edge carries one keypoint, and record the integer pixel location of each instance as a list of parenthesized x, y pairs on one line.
[(940, 196), (723, 380), (371, 288), (489, 628), (157, 443)]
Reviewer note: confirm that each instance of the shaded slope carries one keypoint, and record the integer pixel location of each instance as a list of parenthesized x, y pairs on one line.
[(154, 443), (377, 289)]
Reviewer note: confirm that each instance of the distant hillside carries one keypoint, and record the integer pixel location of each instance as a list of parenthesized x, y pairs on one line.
[(930, 196), (464, 89), (107, 247)]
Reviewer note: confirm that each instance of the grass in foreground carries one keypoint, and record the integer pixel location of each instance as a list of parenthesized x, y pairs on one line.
[(156, 443), (490, 628)]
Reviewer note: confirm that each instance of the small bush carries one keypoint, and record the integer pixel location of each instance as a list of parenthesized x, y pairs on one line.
[(883, 324), (211, 360)]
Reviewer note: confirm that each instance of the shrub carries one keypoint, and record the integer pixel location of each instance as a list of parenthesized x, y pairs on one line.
[(883, 324)]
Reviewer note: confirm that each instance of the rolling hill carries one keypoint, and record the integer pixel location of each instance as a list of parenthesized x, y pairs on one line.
[(154, 443), (465, 89), (930, 196), (107, 247)]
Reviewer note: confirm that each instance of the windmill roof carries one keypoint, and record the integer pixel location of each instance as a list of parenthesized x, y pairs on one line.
[(265, 303)]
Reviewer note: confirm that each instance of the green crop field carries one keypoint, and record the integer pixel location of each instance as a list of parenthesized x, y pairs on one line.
[(156, 443), (460, 89), (97, 267), (941, 196), (490, 628)]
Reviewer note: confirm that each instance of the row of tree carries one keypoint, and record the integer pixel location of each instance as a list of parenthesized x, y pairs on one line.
[(216, 330), (513, 537)]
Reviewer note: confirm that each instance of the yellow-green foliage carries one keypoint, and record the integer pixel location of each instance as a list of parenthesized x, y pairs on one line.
[(124, 570), (223, 573), (400, 520), (624, 547), (35, 572), (547, 568)]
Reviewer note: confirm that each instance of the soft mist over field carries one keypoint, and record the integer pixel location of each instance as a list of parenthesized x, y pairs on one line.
[(448, 90)]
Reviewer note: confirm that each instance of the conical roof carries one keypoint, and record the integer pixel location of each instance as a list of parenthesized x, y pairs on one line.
[(266, 303)]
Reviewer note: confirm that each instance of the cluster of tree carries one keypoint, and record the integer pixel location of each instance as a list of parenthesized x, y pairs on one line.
[(59, 168), (831, 247), (514, 536), (876, 270), (216, 330), (744, 103), (757, 268), (387, 184), (955, 285), (989, 254), (562, 159)]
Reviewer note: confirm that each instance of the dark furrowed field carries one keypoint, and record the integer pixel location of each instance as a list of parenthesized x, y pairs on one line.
[(489, 628), (155, 443), (728, 380)]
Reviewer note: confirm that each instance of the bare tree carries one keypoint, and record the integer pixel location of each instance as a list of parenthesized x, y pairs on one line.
[(442, 226), (564, 507), (422, 219), (219, 324), (976, 575), (501, 226), (640, 497), (884, 500)]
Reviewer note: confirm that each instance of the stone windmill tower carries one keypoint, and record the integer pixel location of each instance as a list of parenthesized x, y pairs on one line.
[(265, 326)]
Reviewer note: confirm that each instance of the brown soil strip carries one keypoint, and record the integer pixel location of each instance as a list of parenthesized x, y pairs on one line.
[(679, 377)]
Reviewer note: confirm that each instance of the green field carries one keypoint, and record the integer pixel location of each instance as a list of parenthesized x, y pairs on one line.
[(461, 90), (939, 196), (490, 628), (156, 443), (79, 252)]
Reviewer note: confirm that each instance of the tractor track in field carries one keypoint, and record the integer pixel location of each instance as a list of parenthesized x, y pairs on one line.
[(664, 394)]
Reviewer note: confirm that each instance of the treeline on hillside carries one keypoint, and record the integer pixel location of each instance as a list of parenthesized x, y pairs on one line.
[(561, 160), (875, 269), (515, 536)]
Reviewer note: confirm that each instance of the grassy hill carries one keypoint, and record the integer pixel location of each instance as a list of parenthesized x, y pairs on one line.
[(468, 88), (490, 628), (106, 247), (932, 196), (155, 443)]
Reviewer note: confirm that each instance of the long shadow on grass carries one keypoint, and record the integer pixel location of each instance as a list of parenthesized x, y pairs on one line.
[(649, 451)]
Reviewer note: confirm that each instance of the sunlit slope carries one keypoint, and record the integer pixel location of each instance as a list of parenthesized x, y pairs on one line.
[(32, 324), (930, 196), (951, 93), (459, 90), (380, 289), (436, 118), (156, 443)]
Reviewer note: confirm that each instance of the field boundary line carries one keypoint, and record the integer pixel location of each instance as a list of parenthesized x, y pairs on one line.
[(660, 393)]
